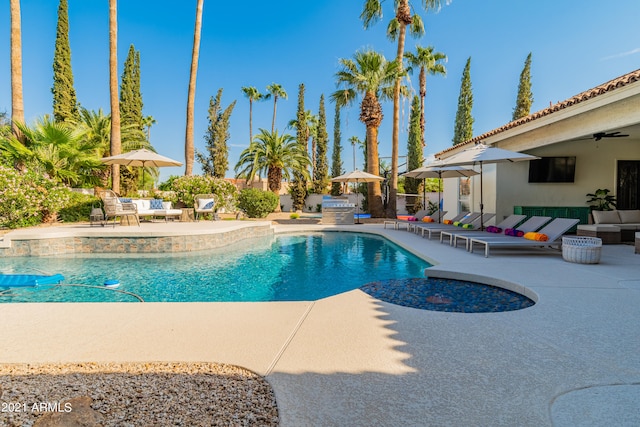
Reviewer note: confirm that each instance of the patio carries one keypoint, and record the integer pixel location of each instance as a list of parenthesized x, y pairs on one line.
[(571, 359)]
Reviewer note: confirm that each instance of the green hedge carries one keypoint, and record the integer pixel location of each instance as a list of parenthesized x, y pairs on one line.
[(257, 203)]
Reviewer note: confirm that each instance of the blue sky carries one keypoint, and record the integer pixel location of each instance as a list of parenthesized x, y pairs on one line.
[(576, 45)]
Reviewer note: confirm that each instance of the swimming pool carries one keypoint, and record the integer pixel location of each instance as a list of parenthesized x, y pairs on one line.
[(281, 268)]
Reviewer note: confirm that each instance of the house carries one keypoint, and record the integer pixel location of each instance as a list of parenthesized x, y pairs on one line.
[(597, 131)]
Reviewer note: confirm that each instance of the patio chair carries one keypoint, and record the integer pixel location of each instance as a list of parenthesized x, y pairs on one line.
[(114, 207), (553, 230), (204, 204), (509, 222), (469, 221), (417, 226)]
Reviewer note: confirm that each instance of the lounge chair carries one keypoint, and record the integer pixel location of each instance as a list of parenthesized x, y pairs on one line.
[(532, 224), (417, 226), (437, 216), (116, 207), (473, 223), (553, 230), (509, 222), (204, 204)]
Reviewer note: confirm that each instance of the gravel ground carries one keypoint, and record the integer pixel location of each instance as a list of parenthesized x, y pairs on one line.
[(135, 394)]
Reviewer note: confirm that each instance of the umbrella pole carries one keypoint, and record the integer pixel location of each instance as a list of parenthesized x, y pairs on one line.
[(481, 204), (357, 204), (439, 192)]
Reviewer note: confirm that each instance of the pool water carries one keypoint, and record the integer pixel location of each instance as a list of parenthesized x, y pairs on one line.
[(281, 268)]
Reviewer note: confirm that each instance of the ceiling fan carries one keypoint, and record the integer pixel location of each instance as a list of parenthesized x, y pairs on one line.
[(599, 135)]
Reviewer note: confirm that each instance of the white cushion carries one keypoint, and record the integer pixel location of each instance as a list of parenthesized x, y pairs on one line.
[(202, 203), (630, 216), (166, 206), (606, 217)]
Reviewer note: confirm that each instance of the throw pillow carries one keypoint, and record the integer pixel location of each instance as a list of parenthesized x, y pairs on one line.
[(205, 203), (156, 204), (125, 200)]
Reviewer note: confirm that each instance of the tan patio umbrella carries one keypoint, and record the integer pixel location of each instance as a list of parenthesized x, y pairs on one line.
[(438, 170), (480, 154), (357, 176), (141, 157)]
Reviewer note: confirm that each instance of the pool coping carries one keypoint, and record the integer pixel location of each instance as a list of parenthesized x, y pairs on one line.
[(351, 359)]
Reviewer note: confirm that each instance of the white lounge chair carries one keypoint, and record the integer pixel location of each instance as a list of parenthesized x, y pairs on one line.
[(532, 224), (554, 231), (397, 223), (417, 226), (509, 222), (474, 223)]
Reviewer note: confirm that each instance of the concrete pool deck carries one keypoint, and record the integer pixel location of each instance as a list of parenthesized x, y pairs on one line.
[(571, 359)]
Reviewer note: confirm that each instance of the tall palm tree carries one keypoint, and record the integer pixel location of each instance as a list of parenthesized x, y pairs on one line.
[(397, 30), (189, 150), (254, 95), (277, 155), (116, 141), (428, 62), (368, 75), (147, 122), (276, 91), (17, 100)]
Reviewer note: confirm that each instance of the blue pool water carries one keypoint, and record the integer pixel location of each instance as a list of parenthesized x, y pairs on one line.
[(282, 268)]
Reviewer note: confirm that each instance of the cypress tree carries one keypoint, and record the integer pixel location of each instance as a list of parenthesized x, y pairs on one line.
[(414, 147), (463, 130), (130, 95), (216, 162), (321, 169), (298, 187), (525, 97), (336, 159), (65, 104)]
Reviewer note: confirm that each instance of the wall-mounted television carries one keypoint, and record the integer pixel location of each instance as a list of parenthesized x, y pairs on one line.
[(553, 169)]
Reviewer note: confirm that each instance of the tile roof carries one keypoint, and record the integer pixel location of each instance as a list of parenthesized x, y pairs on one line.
[(609, 86)]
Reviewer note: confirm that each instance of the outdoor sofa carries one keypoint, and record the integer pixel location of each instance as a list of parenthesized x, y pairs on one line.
[(612, 226), (155, 208)]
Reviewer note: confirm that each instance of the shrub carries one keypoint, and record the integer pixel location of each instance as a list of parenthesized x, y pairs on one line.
[(294, 215), (257, 203), (79, 207), (26, 198), (186, 187)]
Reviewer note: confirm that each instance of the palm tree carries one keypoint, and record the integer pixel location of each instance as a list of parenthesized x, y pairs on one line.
[(276, 91), (147, 122), (368, 75), (17, 100), (277, 155), (397, 30), (254, 95), (60, 151), (189, 150), (116, 141), (429, 62)]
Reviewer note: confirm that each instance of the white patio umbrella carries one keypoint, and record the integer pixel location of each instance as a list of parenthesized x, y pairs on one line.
[(438, 170), (480, 154), (357, 176), (141, 157)]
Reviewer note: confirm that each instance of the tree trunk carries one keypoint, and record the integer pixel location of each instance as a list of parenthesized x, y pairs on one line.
[(423, 94), (274, 179), (116, 143), (189, 152), (273, 121), (404, 18), (250, 120), (17, 99), (374, 194)]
